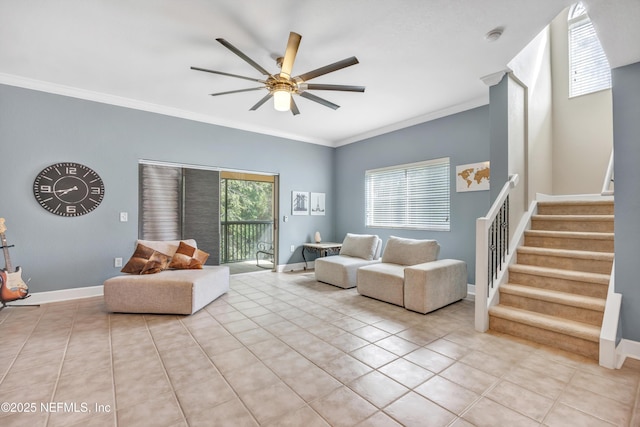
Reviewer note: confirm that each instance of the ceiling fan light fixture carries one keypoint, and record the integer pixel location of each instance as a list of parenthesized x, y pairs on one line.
[(282, 99)]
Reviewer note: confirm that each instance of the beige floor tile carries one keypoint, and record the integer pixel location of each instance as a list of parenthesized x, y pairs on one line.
[(133, 389), (373, 355), (599, 406), (406, 373), (311, 383), (28, 378), (563, 416), (343, 407), (159, 410), (251, 378), (200, 396), (435, 362), (346, 368), (232, 413), (487, 413), (272, 402), (397, 345), (304, 416), (519, 399), (370, 333), (348, 342), (378, 388), (414, 410), (379, 419), (240, 325), (448, 348), (288, 363), (624, 393), (269, 348), (488, 363), (233, 359), (170, 370), (349, 324), (447, 394), (253, 336), (469, 377), (419, 336), (548, 367), (536, 382)]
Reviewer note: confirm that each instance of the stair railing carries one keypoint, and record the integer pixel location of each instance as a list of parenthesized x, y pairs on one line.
[(607, 185), (492, 247)]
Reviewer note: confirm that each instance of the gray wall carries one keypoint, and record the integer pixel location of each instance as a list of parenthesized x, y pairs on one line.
[(38, 129), (626, 142), (463, 137)]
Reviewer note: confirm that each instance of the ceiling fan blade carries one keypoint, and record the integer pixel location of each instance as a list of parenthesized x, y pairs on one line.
[(327, 69), (290, 54), (227, 74), (262, 101), (248, 60), (236, 91), (294, 107), (319, 100), (344, 88)]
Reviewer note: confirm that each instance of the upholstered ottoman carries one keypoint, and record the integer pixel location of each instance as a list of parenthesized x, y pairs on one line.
[(434, 284), (167, 292), (165, 277)]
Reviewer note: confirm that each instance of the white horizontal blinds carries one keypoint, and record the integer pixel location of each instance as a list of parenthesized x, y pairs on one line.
[(589, 69), (160, 202), (414, 196)]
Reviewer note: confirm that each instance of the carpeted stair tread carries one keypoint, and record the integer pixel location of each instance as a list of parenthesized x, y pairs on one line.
[(566, 253), (557, 273), (571, 234), (565, 206), (557, 297), (561, 217), (550, 323)]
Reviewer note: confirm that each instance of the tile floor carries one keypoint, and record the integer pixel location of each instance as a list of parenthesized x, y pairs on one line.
[(281, 349)]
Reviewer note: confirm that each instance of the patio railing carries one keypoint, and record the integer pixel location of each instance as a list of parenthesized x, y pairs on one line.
[(240, 239)]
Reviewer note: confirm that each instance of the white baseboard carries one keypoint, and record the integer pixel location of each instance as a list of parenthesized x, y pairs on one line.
[(627, 348), (61, 295), (471, 290)]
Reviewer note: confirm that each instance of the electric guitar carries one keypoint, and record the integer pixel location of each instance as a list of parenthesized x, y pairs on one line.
[(11, 285)]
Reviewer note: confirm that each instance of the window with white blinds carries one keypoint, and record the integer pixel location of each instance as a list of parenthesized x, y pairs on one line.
[(412, 196), (589, 69)]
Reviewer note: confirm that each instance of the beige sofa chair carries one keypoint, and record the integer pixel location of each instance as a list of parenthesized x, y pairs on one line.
[(357, 250), (411, 276)]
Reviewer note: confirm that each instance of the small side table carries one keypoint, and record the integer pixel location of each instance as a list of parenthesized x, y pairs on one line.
[(322, 249)]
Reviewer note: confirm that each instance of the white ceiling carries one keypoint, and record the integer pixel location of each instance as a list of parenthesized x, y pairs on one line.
[(419, 59)]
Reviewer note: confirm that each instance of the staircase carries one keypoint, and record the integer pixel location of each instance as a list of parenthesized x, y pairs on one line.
[(557, 290)]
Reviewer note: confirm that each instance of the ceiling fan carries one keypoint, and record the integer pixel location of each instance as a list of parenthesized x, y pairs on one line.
[(282, 85)]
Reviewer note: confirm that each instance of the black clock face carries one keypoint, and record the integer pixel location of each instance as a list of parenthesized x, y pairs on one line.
[(68, 189)]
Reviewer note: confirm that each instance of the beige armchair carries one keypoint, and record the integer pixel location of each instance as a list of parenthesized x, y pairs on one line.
[(411, 276), (357, 250)]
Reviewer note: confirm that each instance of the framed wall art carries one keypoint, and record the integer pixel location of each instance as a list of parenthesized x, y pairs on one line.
[(473, 177), (299, 203), (317, 204)]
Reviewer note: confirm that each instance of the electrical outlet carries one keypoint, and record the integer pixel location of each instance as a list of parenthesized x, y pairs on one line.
[(124, 217), (117, 262), (293, 248)]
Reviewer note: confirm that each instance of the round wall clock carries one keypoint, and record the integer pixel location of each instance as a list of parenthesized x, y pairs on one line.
[(68, 189)]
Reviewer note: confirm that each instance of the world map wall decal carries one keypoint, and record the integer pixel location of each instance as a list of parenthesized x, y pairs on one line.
[(473, 177)]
